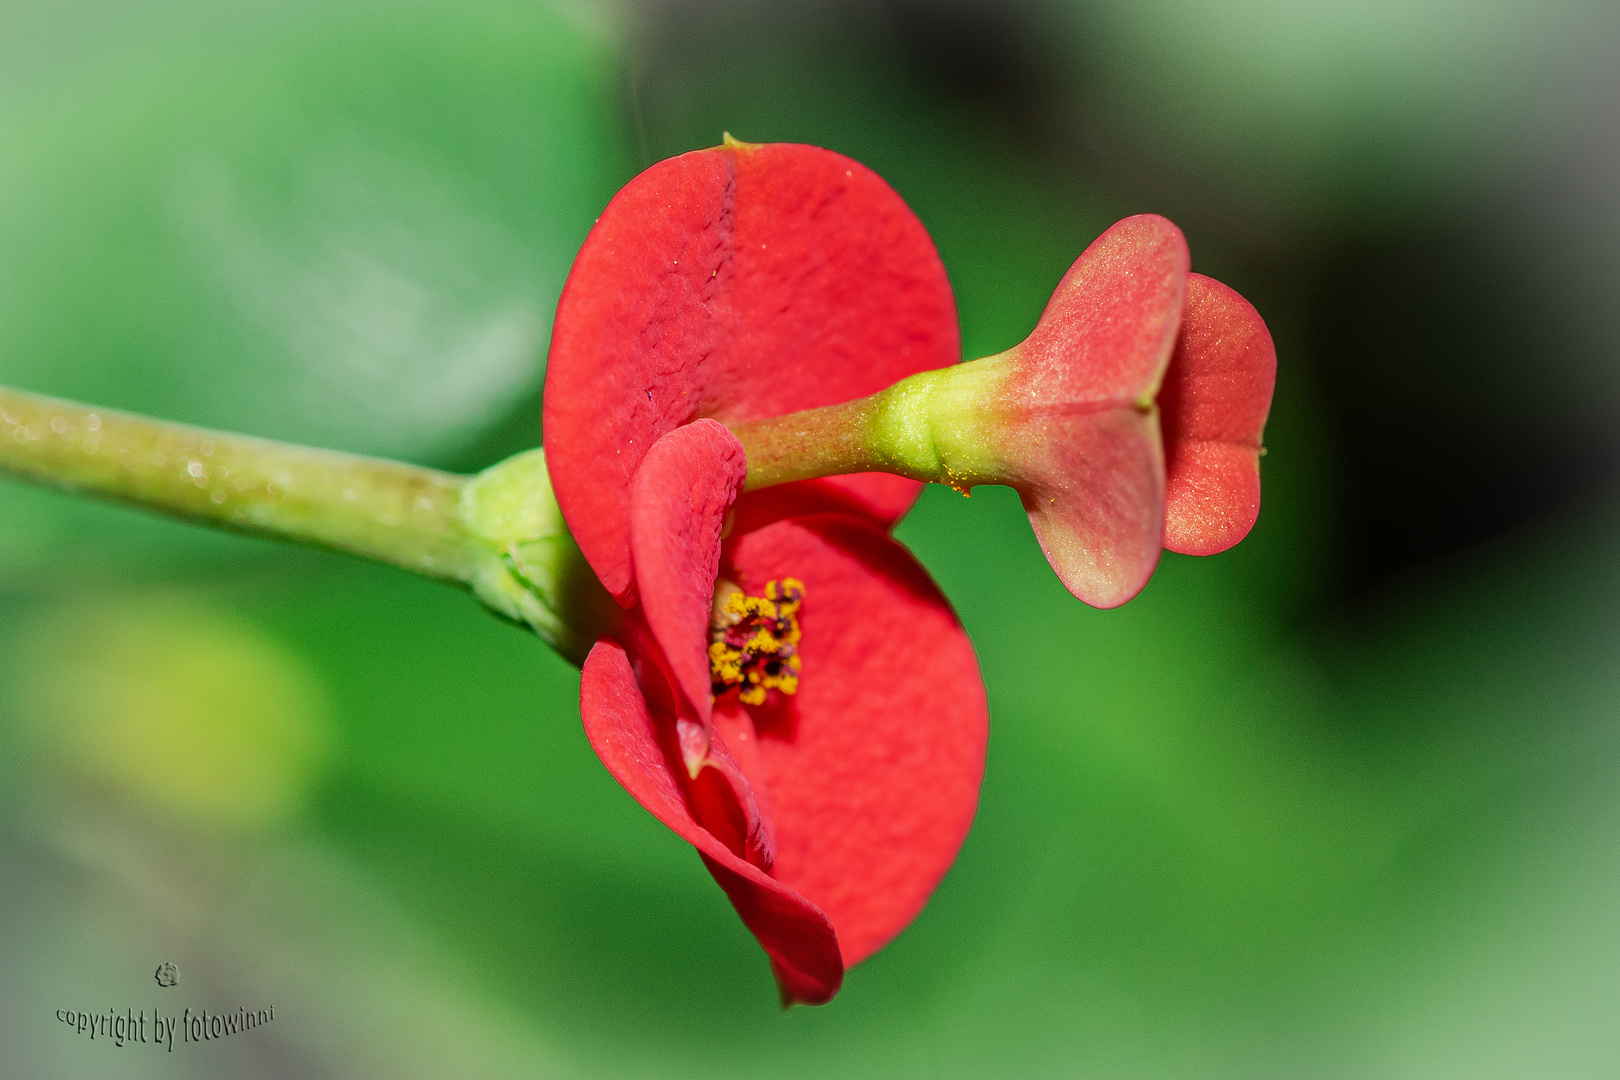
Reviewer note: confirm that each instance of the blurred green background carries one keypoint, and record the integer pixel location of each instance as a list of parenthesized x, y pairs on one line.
[(1343, 802)]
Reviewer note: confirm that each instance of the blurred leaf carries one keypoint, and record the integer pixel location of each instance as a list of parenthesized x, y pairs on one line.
[(1368, 104), (171, 707), (343, 225)]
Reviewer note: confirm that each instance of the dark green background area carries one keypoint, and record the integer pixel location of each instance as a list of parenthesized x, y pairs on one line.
[(1340, 802)]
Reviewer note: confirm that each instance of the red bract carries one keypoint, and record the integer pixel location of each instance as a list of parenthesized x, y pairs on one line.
[(787, 293), (1213, 408), (733, 284), (1066, 417)]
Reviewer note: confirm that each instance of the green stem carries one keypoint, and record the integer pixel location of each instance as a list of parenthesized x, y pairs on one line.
[(380, 510), (829, 441), (498, 533), (931, 426)]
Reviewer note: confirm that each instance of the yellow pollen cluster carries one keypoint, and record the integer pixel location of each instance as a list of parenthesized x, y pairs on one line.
[(754, 640)]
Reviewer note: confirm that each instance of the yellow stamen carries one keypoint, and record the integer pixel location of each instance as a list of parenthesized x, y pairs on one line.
[(753, 640)]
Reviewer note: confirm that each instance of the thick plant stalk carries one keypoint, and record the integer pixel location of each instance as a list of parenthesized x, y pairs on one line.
[(380, 510), (498, 533)]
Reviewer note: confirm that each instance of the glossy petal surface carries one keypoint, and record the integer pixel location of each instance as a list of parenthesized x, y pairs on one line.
[(734, 283)]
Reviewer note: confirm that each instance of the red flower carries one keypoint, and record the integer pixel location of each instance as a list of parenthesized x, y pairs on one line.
[(733, 284), (786, 293), (1067, 416), (1129, 419)]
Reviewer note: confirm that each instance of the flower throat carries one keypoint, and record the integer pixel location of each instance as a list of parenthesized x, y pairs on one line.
[(754, 640)]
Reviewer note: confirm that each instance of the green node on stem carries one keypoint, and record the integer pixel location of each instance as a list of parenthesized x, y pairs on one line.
[(538, 577)]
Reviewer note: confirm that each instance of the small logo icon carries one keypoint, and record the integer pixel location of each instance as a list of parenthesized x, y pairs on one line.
[(167, 974)]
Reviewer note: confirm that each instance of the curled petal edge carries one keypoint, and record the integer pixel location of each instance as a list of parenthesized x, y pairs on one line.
[(797, 936), (678, 503)]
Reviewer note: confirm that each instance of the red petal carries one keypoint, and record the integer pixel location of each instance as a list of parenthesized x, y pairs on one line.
[(722, 798), (735, 283), (797, 936), (678, 502), (719, 794), (1106, 334), (1096, 500), (1088, 453), (873, 769), (1214, 403)]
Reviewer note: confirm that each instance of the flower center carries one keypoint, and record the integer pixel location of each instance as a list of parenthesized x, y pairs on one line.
[(754, 640)]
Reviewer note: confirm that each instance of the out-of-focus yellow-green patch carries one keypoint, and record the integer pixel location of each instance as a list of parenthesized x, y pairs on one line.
[(173, 707)]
